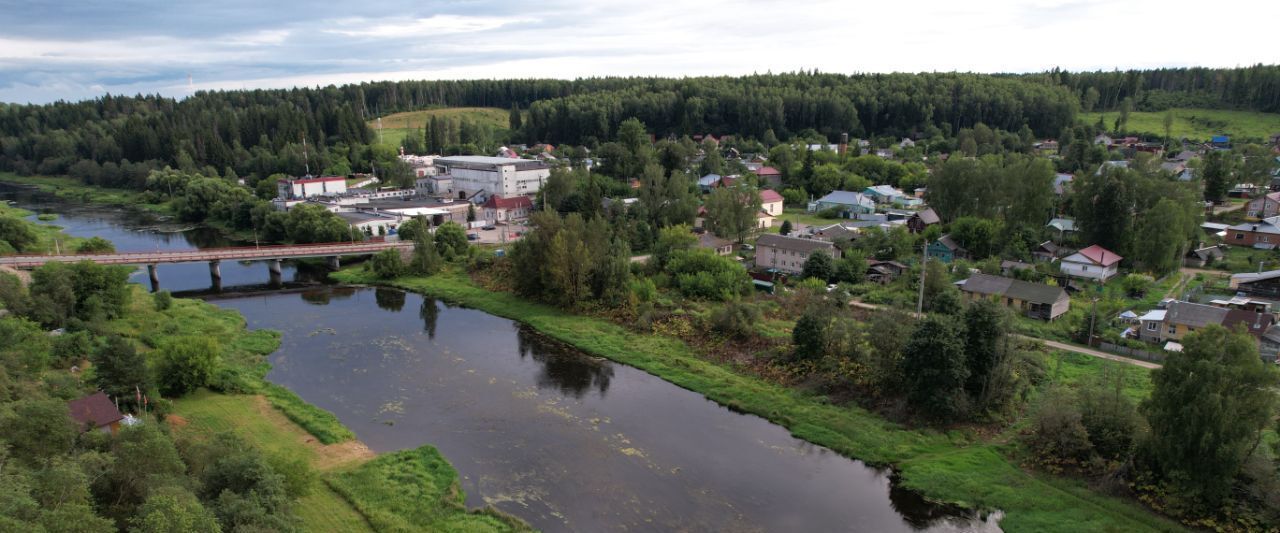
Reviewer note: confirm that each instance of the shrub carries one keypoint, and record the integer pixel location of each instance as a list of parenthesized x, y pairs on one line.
[(95, 245), (387, 264), (186, 364), (735, 319), (163, 300), (1057, 434)]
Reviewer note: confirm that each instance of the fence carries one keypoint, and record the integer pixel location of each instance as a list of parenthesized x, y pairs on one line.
[(1134, 353)]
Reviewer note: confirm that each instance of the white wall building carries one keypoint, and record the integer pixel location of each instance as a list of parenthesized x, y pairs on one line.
[(300, 188), (1095, 262), (500, 176)]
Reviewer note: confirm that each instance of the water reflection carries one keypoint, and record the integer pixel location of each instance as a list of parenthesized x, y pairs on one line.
[(429, 314), (389, 299), (563, 368)]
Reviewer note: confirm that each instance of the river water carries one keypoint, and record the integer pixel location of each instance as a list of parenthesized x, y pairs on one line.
[(563, 440)]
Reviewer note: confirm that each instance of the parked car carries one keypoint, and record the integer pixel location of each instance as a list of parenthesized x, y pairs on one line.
[(473, 236), (490, 227), (747, 247)]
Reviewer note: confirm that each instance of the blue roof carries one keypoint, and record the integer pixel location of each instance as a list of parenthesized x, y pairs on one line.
[(709, 179), (1221, 138)]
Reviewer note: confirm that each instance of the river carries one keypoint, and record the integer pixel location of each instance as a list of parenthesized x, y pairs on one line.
[(563, 440)]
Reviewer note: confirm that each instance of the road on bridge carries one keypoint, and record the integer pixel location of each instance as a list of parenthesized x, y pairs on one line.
[(242, 253)]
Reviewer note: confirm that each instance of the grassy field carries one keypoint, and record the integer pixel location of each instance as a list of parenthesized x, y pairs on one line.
[(1195, 123), (68, 188), (952, 467), (396, 126), (49, 237), (416, 490), (204, 414)]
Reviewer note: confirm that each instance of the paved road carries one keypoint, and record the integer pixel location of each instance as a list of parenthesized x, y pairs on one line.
[(1052, 344), (208, 254)]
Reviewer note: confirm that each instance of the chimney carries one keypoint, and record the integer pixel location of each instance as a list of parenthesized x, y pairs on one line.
[(844, 144)]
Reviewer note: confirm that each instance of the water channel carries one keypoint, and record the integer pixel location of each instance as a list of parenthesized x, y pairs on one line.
[(566, 441)]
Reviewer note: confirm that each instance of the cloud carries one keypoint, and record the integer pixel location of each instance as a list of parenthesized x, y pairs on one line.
[(395, 28), (81, 48)]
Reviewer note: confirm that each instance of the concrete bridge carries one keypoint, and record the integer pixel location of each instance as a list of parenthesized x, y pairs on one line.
[(214, 256)]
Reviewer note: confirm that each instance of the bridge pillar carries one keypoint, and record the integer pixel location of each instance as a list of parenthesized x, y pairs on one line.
[(334, 264), (273, 266), (155, 278), (215, 274)]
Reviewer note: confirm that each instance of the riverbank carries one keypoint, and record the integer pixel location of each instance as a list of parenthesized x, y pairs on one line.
[(951, 467), (70, 189)]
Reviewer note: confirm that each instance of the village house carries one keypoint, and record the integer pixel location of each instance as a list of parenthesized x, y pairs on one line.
[(771, 202), (507, 210), (835, 232), (1036, 300), (769, 176), (1265, 206), (1064, 226), (1179, 319), (884, 272), (946, 250), (921, 220), (885, 194), (716, 244), (788, 254), (845, 202), (1095, 262), (1265, 284), (1047, 252), (1263, 234), (96, 412), (1062, 183), (1203, 256)]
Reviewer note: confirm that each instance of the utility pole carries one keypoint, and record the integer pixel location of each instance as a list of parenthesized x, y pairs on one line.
[(1093, 316), (924, 262)]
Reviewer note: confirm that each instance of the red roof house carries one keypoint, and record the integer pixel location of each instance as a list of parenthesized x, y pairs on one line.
[(95, 412), (499, 209)]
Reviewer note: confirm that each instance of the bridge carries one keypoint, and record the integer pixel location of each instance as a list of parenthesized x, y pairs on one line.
[(273, 255)]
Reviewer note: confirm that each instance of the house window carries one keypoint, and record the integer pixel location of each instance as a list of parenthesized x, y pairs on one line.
[(1151, 326), (1084, 269), (1239, 236), (1173, 330)]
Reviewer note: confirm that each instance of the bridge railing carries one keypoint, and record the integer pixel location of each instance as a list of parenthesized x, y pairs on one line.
[(213, 251)]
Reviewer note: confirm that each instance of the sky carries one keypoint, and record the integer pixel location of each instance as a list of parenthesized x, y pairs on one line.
[(78, 49)]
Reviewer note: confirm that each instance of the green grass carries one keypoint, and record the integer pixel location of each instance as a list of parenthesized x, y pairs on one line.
[(941, 466), (415, 490), (208, 413), (1195, 123), (69, 188), (798, 215), (396, 126), (244, 355), (49, 237), (1074, 370)]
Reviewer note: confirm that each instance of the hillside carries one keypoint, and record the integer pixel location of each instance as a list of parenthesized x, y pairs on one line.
[(396, 126), (1197, 123)]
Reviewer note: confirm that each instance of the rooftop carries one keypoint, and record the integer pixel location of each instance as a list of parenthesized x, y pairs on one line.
[(1023, 290), (95, 409), (793, 243), (1100, 255)]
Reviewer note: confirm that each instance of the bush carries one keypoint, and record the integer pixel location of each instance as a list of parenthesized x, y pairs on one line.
[(1057, 435), (186, 364), (703, 274), (163, 300), (387, 264), (735, 319), (95, 245)]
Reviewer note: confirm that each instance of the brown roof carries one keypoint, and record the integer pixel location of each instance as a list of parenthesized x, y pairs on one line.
[(769, 195), (514, 202), (1255, 323), (94, 409), (707, 240)]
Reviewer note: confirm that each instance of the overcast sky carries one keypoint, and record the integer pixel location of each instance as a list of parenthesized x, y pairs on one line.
[(75, 49)]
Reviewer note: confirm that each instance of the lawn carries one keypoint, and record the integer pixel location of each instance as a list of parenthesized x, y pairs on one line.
[(69, 188), (203, 414), (799, 216), (950, 467), (1196, 123), (396, 126)]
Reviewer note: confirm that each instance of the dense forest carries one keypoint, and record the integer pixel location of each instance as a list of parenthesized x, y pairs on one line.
[(118, 140)]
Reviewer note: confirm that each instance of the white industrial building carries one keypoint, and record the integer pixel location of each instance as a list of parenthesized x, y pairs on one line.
[(306, 187), (501, 176)]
